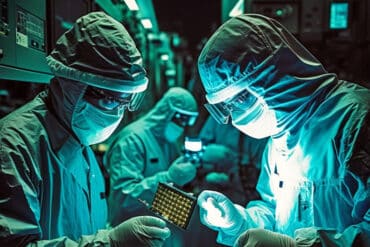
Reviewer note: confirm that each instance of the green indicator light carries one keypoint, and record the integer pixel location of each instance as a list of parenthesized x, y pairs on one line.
[(66, 25)]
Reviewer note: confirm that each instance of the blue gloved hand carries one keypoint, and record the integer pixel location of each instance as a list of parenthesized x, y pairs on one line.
[(181, 171), (140, 231), (219, 213), (266, 238), (219, 178)]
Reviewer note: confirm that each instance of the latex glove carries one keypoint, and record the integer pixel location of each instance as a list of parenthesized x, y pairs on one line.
[(308, 236), (218, 157), (264, 238), (217, 178), (140, 231), (181, 172), (217, 212)]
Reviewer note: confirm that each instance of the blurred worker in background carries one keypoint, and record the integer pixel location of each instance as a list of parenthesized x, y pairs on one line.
[(314, 180), (51, 187), (147, 152)]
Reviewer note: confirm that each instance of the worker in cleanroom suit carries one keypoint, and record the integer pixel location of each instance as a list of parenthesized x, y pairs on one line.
[(314, 181), (51, 187), (147, 152)]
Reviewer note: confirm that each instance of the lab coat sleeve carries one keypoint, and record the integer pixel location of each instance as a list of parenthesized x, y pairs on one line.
[(358, 155), (355, 235), (259, 213), (126, 165), (19, 202)]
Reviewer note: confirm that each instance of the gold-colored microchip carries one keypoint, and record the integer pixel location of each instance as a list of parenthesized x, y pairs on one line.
[(173, 204)]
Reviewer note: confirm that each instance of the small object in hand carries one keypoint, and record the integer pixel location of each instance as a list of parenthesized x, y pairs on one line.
[(173, 205)]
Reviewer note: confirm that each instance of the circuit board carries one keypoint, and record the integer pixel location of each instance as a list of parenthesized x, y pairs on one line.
[(173, 205)]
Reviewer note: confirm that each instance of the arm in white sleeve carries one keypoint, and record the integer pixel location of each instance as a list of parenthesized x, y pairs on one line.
[(355, 155), (259, 213)]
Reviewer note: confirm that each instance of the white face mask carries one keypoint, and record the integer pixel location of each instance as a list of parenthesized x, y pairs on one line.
[(173, 132), (92, 125), (264, 123)]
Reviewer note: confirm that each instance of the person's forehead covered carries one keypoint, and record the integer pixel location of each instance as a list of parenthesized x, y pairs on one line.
[(234, 50), (99, 51), (181, 99)]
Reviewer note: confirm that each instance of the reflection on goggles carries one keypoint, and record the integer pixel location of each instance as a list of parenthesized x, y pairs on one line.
[(221, 112), (184, 120), (110, 100)]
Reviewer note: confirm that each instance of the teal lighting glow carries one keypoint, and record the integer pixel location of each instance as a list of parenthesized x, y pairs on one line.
[(165, 57), (132, 5), (279, 12), (238, 9), (147, 24), (338, 15), (66, 25)]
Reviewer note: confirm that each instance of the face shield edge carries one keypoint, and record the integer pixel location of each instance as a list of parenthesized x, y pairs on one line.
[(227, 92), (185, 112), (243, 83), (126, 86)]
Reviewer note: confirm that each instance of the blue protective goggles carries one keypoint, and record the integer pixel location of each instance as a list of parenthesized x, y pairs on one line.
[(111, 100), (222, 111)]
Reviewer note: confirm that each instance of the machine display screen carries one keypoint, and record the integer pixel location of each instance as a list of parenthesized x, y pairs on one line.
[(339, 15)]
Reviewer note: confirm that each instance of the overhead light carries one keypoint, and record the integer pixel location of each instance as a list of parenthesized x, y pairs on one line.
[(165, 57), (132, 5), (238, 9), (146, 23)]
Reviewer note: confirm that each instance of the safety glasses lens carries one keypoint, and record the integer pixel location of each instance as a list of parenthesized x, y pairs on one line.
[(110, 100), (183, 120), (218, 112), (242, 101), (136, 101)]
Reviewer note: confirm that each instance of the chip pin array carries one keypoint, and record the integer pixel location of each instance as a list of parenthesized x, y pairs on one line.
[(173, 205)]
